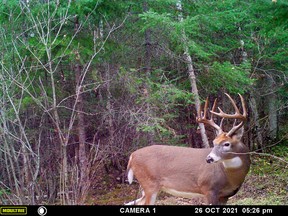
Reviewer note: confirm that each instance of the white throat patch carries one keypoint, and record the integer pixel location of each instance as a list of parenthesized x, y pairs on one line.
[(233, 163)]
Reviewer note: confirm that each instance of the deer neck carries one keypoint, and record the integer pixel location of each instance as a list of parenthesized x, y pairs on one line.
[(233, 163), (236, 168)]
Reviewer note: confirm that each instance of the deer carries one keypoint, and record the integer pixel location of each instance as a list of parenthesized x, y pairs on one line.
[(215, 174)]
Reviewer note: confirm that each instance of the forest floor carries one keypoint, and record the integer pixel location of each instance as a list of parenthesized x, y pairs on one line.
[(266, 184)]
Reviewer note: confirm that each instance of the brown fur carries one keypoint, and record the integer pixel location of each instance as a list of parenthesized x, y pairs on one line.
[(185, 169)]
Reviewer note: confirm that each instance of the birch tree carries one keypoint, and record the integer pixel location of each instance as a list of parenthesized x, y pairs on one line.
[(192, 77)]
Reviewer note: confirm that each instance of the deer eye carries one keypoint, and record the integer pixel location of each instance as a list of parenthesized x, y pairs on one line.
[(227, 144)]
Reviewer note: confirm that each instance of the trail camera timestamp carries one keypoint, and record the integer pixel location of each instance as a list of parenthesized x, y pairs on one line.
[(222, 210), (257, 210), (233, 210)]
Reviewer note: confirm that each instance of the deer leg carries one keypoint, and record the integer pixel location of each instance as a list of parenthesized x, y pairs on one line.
[(146, 199), (212, 198), (150, 198), (139, 201), (223, 200), (151, 190)]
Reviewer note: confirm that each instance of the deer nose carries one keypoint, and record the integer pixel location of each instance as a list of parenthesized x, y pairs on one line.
[(209, 159)]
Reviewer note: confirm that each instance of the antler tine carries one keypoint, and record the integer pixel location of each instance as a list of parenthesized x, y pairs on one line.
[(203, 118), (200, 113), (235, 128), (221, 122), (243, 106), (205, 108), (233, 103), (213, 108), (238, 115)]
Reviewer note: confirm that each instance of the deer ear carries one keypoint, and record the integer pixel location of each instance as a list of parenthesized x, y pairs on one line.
[(237, 136)]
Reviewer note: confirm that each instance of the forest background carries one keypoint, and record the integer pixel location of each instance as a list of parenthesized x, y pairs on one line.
[(85, 83)]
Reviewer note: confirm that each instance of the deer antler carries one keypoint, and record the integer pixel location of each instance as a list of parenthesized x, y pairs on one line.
[(202, 117), (237, 115)]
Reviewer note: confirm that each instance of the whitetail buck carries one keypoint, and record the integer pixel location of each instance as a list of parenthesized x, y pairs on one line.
[(215, 173)]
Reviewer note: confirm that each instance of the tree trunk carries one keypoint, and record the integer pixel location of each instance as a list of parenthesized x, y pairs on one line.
[(272, 109), (83, 174), (192, 78), (257, 127), (83, 161)]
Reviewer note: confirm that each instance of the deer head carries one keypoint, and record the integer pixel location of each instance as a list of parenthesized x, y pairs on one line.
[(225, 143)]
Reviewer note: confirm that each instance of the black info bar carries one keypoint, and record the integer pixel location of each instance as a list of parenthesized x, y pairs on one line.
[(145, 210)]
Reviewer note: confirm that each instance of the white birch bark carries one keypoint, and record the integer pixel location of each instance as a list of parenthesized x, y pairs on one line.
[(192, 78)]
